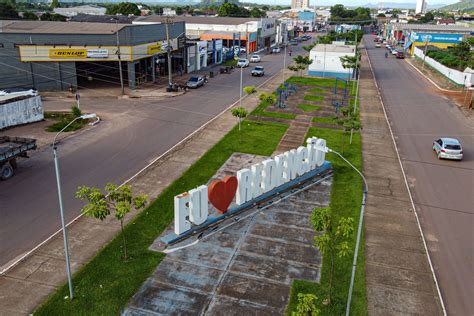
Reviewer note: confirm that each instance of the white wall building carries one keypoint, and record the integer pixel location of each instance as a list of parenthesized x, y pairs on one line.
[(421, 6), (327, 62), (83, 9)]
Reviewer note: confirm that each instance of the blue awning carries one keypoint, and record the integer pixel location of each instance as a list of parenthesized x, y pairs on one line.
[(408, 44)]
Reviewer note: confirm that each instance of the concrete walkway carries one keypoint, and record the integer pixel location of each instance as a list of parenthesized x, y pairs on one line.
[(295, 134), (398, 277), (28, 284)]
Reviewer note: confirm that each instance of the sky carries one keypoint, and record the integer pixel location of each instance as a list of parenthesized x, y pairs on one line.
[(349, 2)]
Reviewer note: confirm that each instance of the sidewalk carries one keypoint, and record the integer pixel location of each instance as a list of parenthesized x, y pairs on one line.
[(28, 284), (398, 276)]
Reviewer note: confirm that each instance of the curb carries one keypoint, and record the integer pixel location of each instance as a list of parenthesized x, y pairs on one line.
[(434, 83)]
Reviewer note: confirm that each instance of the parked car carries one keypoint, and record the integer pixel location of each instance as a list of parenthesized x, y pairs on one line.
[(276, 50), (389, 48), (18, 92), (255, 59), (293, 42), (394, 52), (258, 71), (400, 55), (377, 45), (195, 82), (448, 148), (243, 63)]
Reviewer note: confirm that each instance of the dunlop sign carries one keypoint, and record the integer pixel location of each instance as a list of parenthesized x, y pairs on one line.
[(68, 53), (153, 49)]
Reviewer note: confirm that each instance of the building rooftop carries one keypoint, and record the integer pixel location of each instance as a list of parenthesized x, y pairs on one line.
[(331, 48), (432, 27), (49, 27), (197, 19), (121, 19)]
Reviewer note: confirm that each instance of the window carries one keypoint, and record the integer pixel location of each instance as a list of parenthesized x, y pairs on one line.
[(452, 147)]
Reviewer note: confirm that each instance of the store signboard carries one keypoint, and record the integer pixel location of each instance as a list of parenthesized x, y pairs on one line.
[(38, 53), (436, 38), (97, 53), (154, 49), (62, 53)]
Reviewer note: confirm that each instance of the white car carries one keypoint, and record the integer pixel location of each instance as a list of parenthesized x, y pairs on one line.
[(377, 45), (255, 59), (243, 63), (448, 148), (17, 92), (276, 50)]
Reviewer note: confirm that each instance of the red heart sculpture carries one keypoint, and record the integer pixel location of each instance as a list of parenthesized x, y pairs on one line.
[(222, 192)]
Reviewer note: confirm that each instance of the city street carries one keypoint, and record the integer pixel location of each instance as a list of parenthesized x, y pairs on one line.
[(443, 191), (113, 151)]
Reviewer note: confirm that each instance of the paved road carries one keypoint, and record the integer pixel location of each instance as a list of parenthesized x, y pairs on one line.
[(443, 190), (113, 151)]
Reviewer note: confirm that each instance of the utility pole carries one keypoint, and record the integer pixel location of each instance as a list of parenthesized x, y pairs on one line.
[(241, 73), (247, 41), (119, 57), (357, 59), (168, 50)]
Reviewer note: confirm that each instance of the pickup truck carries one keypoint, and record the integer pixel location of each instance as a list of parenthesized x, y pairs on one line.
[(10, 149), (258, 71)]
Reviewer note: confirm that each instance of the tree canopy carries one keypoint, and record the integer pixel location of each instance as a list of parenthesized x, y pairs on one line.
[(125, 8), (7, 10), (231, 9), (340, 14)]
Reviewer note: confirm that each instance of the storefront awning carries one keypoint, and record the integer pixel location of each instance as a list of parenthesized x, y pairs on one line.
[(210, 35)]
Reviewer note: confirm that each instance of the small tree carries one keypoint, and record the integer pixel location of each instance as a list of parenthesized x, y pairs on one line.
[(240, 113), (267, 98), (119, 199), (302, 62), (334, 239), (76, 112), (251, 90), (349, 122), (306, 305)]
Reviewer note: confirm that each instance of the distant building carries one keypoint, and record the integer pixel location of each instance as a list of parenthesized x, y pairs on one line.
[(299, 4), (327, 62), (89, 9), (421, 6)]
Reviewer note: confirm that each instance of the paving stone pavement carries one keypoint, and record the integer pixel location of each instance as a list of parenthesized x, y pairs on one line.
[(295, 134), (244, 269), (398, 277), (25, 286)]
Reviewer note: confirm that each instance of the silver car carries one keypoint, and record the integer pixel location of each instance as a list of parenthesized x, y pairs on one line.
[(195, 82), (448, 148)]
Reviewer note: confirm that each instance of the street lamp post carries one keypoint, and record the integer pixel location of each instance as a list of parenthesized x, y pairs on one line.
[(168, 49), (284, 65), (61, 204), (240, 99)]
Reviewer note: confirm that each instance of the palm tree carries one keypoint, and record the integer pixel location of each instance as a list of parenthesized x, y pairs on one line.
[(351, 62)]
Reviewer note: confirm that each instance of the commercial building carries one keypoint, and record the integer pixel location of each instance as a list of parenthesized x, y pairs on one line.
[(441, 36), (327, 62), (253, 33), (57, 55), (83, 9)]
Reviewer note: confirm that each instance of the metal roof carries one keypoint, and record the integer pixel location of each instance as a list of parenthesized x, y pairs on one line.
[(328, 48), (197, 19), (432, 27), (49, 27)]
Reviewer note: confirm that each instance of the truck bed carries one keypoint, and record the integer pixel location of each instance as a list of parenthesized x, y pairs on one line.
[(12, 147)]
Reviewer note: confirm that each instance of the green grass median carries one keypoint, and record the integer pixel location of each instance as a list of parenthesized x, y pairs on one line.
[(106, 283), (346, 198)]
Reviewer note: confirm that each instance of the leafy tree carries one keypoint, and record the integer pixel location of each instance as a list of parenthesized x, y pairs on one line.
[(119, 199), (381, 15), (7, 10), (334, 239), (124, 8), (306, 305), (28, 15), (179, 10), (257, 13), (302, 62), (267, 98), (349, 122), (54, 4), (47, 16), (427, 18), (351, 62), (240, 113), (232, 9)]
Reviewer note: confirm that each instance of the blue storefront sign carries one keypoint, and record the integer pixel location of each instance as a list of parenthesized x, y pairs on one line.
[(437, 38)]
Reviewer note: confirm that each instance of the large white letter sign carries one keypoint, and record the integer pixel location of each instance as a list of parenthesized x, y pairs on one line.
[(302, 165), (311, 152), (244, 190), (320, 151), (181, 211), (289, 167), (257, 180), (268, 178), (198, 205), (278, 174)]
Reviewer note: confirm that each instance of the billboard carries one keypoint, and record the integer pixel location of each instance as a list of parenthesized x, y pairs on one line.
[(436, 38)]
